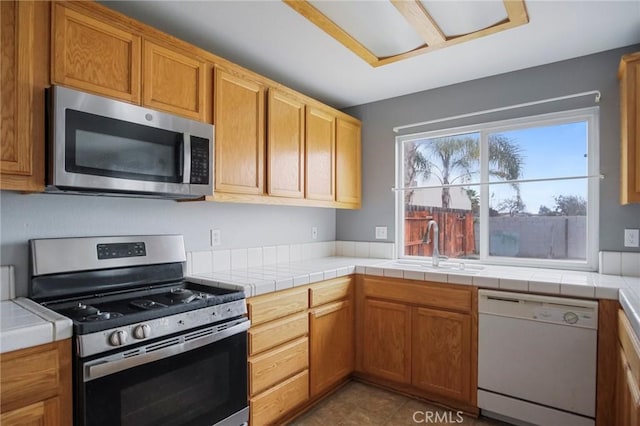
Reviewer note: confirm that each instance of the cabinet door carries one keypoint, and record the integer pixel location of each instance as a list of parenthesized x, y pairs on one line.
[(630, 128), (239, 127), (320, 155), (93, 55), (387, 340), (175, 82), (285, 124), (332, 345), (24, 36), (441, 353), (43, 413), (348, 162)]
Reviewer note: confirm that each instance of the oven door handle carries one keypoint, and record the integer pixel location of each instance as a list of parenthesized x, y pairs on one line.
[(109, 365)]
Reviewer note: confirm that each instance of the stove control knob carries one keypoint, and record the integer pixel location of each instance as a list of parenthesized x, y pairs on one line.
[(142, 331), (118, 338)]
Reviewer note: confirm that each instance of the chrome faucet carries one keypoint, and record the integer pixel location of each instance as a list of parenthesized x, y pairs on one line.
[(435, 257)]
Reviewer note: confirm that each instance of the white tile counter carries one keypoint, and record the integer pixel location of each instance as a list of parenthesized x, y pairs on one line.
[(265, 279), (24, 323)]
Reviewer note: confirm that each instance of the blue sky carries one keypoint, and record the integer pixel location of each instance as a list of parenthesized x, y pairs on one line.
[(547, 151)]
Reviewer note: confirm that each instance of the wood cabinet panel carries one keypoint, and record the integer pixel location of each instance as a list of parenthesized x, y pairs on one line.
[(286, 145), (239, 127), (276, 305), (42, 413), (274, 333), (35, 385), (320, 155), (330, 291), (93, 55), (387, 340), (348, 162), (276, 402), (175, 82), (331, 331), (441, 352), (629, 75), (269, 368), (426, 294), (24, 65)]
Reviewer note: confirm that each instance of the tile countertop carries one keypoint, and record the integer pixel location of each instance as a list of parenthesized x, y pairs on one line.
[(266, 279), (24, 323)]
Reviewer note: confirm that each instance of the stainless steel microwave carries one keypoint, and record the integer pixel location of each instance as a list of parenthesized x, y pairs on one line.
[(107, 147)]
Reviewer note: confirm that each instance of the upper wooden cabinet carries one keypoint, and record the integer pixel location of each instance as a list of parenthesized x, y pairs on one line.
[(629, 75), (239, 126), (175, 81), (348, 162), (286, 145), (24, 35), (91, 53), (320, 155)]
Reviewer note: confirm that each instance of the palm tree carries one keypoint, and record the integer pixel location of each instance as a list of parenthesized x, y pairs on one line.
[(455, 159)]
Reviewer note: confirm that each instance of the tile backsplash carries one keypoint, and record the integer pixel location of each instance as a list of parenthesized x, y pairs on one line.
[(7, 282), (199, 262), (620, 263)]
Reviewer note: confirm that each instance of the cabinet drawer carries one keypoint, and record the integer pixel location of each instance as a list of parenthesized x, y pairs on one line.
[(269, 368), (275, 333), (427, 294), (269, 406), (329, 291), (29, 375), (276, 305)]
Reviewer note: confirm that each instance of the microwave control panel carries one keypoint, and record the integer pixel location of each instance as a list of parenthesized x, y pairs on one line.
[(199, 161)]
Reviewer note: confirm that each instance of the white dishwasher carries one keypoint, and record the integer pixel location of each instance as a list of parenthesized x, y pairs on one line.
[(537, 359)]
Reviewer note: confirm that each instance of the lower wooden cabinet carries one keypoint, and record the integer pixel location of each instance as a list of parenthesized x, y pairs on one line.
[(35, 385), (418, 337), (276, 402), (628, 375), (386, 338), (332, 345), (441, 352)]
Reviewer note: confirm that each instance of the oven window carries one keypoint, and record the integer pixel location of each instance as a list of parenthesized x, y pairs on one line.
[(108, 147), (196, 388)]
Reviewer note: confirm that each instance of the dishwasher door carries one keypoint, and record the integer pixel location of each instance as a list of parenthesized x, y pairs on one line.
[(538, 351)]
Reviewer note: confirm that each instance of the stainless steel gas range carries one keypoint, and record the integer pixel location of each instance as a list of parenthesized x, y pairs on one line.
[(151, 348)]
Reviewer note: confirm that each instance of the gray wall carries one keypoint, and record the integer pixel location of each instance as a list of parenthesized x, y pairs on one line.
[(52, 215), (593, 72)]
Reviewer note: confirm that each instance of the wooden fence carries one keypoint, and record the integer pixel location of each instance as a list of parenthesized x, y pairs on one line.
[(456, 237)]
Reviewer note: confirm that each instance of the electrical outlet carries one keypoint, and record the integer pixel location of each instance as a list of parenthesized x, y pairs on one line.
[(381, 232), (632, 237), (216, 238), (314, 232)]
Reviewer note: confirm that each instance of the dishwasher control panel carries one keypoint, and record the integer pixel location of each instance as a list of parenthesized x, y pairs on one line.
[(550, 309)]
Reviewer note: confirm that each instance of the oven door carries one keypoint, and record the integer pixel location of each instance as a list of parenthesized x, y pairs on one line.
[(195, 379), (103, 145)]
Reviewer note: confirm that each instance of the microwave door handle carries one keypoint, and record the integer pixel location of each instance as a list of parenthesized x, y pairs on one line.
[(186, 156)]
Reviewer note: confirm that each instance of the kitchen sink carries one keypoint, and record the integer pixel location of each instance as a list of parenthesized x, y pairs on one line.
[(443, 267)]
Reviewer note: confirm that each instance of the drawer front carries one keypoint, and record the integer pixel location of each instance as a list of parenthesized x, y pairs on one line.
[(269, 368), (423, 294), (30, 374), (275, 333), (271, 405), (277, 305), (630, 345), (329, 291)]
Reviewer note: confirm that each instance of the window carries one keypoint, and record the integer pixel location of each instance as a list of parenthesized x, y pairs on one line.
[(516, 192)]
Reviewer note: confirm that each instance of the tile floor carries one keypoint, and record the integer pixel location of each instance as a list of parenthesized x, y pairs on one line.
[(359, 404)]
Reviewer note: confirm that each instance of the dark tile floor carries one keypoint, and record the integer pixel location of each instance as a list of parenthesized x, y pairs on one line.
[(359, 404)]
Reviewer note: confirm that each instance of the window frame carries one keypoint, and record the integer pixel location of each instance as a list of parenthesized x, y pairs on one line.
[(589, 115)]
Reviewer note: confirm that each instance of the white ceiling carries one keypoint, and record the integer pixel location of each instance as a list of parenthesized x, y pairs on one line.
[(269, 37)]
